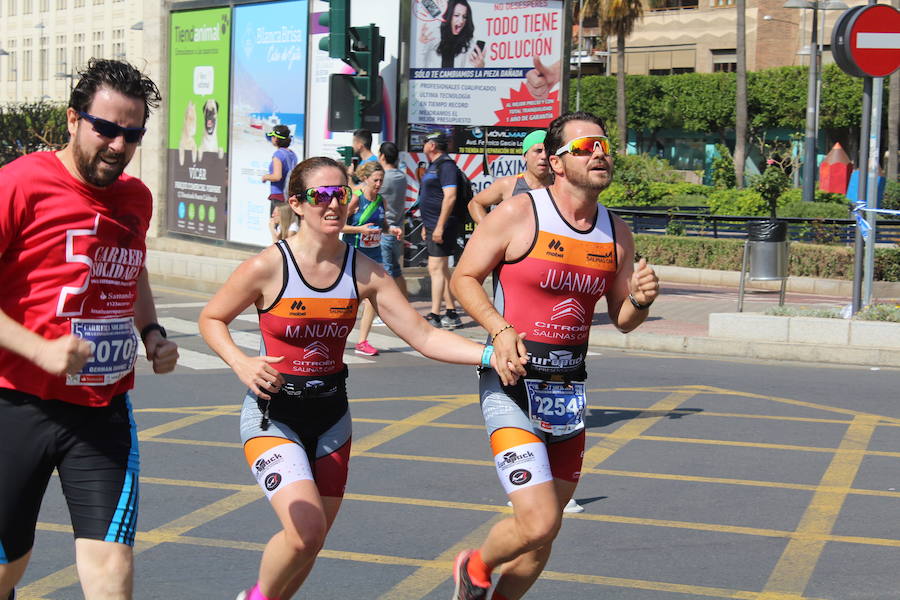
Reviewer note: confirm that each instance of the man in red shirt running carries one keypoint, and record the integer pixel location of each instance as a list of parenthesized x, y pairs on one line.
[(554, 253), (72, 254)]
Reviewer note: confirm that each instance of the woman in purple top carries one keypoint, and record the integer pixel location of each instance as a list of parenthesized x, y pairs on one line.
[(283, 162)]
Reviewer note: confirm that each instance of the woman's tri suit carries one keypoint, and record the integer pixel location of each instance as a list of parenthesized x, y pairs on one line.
[(550, 294), (368, 243), (303, 432)]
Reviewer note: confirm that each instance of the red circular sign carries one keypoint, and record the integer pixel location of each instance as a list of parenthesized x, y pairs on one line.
[(875, 40)]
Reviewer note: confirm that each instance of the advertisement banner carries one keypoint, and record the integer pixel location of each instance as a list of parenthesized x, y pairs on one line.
[(322, 141), (486, 68), (198, 122), (269, 89)]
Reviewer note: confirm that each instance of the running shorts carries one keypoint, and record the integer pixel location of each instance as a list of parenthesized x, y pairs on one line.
[(94, 450), (524, 455), (296, 439)]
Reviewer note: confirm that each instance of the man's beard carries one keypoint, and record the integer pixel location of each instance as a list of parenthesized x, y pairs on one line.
[(94, 170), (585, 181)]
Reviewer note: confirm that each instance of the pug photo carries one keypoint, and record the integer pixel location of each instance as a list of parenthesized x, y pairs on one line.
[(210, 141), (188, 134)]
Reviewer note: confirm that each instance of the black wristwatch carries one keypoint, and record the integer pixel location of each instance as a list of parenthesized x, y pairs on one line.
[(152, 327), (637, 304)]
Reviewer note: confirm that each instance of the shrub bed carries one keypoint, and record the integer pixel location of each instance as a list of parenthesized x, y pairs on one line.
[(806, 260)]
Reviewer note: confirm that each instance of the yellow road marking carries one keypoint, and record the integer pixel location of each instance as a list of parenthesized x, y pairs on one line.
[(68, 576), (404, 426), (176, 424), (437, 568), (605, 448), (425, 579), (795, 567)]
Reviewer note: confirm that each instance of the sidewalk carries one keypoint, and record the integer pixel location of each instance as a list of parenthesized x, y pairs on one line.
[(679, 321)]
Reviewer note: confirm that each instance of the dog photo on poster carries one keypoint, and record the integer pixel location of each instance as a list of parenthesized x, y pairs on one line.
[(198, 122)]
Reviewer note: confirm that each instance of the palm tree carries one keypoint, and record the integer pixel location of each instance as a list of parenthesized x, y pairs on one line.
[(618, 18), (740, 125)]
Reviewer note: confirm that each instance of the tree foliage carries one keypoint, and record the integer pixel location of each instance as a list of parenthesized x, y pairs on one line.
[(704, 102), (31, 127)]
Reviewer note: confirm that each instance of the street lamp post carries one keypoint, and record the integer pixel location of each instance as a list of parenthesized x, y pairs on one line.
[(812, 90)]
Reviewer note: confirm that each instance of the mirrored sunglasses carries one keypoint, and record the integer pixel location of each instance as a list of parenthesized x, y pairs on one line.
[(585, 146), (108, 129), (323, 194)]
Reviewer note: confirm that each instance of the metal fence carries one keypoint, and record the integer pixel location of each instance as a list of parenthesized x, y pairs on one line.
[(699, 223), (694, 222)]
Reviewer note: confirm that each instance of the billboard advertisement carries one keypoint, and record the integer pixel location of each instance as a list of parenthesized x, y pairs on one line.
[(489, 72), (384, 14), (198, 122), (268, 89)]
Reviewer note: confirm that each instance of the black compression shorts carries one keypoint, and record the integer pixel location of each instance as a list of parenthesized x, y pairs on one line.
[(95, 451)]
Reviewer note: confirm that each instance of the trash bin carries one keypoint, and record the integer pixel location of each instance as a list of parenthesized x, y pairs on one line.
[(766, 252), (767, 245)]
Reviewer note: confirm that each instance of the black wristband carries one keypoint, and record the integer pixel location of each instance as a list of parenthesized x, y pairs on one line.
[(637, 304), (152, 327)]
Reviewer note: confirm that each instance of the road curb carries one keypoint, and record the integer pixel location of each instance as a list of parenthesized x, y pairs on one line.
[(743, 348)]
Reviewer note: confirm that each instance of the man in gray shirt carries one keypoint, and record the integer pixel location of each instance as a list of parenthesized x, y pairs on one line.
[(393, 190)]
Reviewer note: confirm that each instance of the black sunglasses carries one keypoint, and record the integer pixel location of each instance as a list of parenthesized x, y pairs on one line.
[(108, 129)]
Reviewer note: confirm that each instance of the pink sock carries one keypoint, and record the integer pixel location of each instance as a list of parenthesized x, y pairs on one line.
[(255, 594)]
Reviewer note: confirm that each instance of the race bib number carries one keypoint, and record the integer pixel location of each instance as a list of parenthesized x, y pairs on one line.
[(370, 240), (113, 350), (556, 407)]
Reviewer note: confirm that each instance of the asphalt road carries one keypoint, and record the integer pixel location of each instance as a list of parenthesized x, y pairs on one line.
[(703, 479)]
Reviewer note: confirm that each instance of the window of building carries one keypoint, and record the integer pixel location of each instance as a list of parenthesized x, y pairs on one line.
[(60, 4), (77, 51), (721, 3), (43, 64), (79, 3), (44, 5), (61, 66), (675, 4), (27, 7), (97, 40), (11, 73), (26, 62), (118, 43), (11, 8), (98, 2), (724, 60)]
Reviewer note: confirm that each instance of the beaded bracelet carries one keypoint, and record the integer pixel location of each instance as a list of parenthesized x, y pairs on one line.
[(486, 356), (502, 329)]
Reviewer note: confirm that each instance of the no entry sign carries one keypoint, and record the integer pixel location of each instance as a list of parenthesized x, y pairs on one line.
[(866, 40)]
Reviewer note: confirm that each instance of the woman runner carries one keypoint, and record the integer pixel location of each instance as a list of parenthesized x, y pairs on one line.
[(295, 424)]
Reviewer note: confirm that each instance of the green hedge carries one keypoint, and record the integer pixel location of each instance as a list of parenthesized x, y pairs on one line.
[(806, 260)]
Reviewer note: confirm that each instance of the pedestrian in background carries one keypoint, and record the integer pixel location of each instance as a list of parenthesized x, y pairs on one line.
[(281, 165), (440, 226), (283, 223), (393, 190), (364, 231)]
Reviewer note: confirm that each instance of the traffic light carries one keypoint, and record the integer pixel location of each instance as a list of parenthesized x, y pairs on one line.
[(337, 20), (346, 153), (367, 53)]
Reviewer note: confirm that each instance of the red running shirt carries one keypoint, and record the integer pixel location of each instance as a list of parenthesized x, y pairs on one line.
[(550, 293), (70, 256), (307, 325)]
